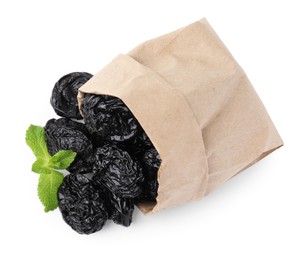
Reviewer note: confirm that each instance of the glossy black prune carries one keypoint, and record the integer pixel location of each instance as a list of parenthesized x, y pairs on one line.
[(66, 134), (150, 163), (109, 117), (82, 204), (149, 192), (64, 94), (139, 145), (82, 164), (115, 169), (120, 210)]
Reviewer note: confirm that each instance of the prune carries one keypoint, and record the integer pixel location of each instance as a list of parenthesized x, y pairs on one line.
[(149, 192), (120, 210), (82, 164), (151, 162), (109, 117), (115, 169), (81, 204), (65, 134), (139, 145), (64, 94)]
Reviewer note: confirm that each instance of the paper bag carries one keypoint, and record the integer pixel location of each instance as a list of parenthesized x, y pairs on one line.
[(196, 105)]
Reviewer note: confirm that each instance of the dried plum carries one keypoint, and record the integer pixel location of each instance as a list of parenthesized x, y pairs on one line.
[(64, 94), (151, 162), (120, 210), (82, 164), (81, 204), (149, 192), (109, 117), (115, 169), (139, 145), (66, 134)]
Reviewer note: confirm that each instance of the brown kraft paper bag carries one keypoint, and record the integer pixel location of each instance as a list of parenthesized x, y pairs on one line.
[(196, 105)]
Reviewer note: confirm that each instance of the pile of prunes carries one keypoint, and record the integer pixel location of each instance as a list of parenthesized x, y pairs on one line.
[(116, 163)]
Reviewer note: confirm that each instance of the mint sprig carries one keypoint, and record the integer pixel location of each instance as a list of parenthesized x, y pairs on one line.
[(35, 139), (46, 165), (62, 159), (47, 189)]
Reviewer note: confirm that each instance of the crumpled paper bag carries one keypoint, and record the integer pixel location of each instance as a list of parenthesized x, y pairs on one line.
[(196, 105)]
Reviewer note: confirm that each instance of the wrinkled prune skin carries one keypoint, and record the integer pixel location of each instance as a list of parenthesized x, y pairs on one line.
[(66, 134), (117, 171), (82, 164), (109, 117), (82, 204), (64, 94), (149, 192), (120, 210), (151, 162), (139, 145)]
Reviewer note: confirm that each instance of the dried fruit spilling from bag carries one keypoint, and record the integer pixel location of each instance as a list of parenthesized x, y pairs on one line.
[(112, 163), (189, 96)]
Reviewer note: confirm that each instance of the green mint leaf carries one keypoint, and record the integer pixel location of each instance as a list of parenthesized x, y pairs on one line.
[(49, 180), (62, 159), (47, 189), (35, 139), (40, 166)]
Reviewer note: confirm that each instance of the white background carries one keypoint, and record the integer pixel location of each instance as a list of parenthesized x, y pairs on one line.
[(255, 215)]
